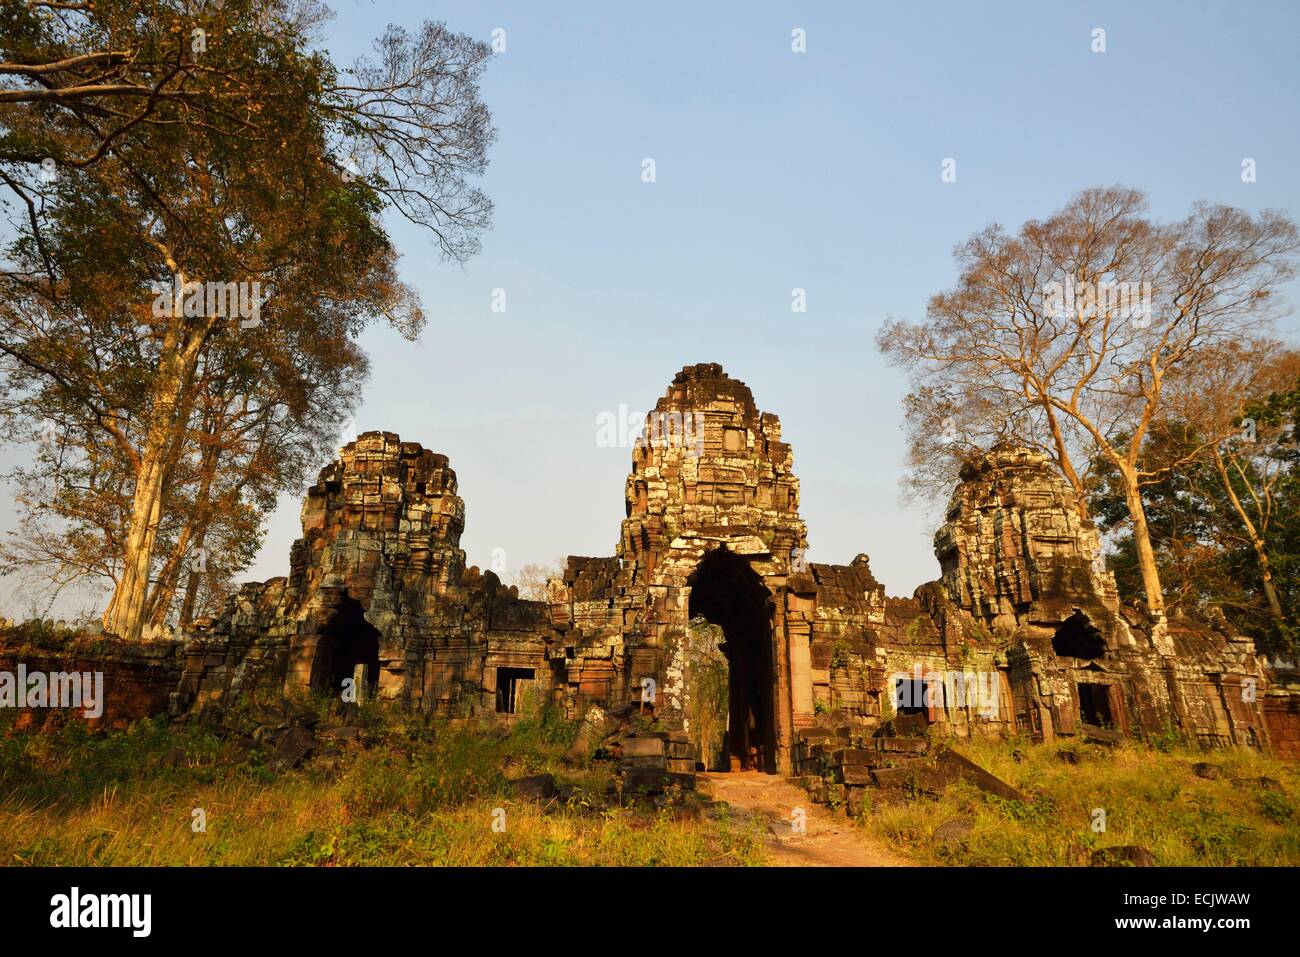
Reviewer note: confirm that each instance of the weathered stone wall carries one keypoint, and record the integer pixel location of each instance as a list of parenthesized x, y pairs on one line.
[(381, 528), (1282, 715), (138, 678), (1022, 571)]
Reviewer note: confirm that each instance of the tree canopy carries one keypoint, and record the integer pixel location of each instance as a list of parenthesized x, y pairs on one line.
[(195, 195)]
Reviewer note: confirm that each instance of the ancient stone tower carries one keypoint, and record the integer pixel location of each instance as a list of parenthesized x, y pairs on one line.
[(381, 544), (1015, 553), (712, 531)]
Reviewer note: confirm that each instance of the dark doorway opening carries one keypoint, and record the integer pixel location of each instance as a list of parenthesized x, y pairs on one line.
[(347, 641), (508, 687), (1078, 637), (1094, 705), (729, 594), (910, 697)]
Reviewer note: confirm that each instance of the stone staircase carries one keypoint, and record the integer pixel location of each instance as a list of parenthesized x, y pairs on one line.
[(650, 761), (835, 765)]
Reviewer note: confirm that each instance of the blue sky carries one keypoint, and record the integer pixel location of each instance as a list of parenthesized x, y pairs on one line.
[(776, 170)]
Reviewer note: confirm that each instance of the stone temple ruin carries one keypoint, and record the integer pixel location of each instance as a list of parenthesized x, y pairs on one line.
[(1023, 632), (708, 616)]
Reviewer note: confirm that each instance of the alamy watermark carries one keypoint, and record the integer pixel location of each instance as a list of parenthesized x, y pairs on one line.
[(978, 690), (192, 299), (669, 428), (75, 909), (53, 689), (1124, 300)]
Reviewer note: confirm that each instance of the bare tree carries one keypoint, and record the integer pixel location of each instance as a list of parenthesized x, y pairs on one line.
[(531, 579), (1080, 325)]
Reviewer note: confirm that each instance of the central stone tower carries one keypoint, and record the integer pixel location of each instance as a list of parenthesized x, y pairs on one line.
[(712, 530), (710, 471)]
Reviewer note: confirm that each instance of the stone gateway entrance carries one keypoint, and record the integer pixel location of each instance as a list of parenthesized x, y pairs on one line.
[(348, 648), (713, 531), (726, 592), (1024, 631)]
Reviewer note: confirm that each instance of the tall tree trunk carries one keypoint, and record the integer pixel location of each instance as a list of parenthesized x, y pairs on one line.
[(107, 617), (1146, 555), (128, 602), (164, 591), (172, 400), (1256, 541), (1064, 461), (190, 537), (191, 597)]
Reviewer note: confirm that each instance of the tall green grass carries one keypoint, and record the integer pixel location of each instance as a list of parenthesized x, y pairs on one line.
[(423, 791), (420, 792), (1247, 815)]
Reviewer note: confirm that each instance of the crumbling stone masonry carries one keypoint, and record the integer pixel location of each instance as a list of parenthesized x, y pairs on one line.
[(1024, 630), (378, 583)]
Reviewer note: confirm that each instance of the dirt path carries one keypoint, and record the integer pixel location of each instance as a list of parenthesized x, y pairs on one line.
[(830, 840)]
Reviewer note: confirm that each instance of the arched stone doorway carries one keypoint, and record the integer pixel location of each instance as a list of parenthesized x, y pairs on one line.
[(728, 593), (346, 641)]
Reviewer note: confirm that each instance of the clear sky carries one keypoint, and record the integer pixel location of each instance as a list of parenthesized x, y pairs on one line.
[(777, 170)]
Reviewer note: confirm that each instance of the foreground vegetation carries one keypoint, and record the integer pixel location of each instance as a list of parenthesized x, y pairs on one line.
[(410, 792), (414, 791), (1187, 807)]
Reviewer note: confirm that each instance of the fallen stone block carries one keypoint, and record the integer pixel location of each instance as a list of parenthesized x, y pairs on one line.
[(292, 749), (857, 774), (535, 787), (650, 762), (642, 747), (932, 780), (890, 777), (596, 727), (269, 717), (902, 745), (680, 749), (863, 757), (1095, 735), (958, 766)]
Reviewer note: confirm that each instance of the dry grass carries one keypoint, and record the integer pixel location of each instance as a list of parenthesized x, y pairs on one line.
[(1247, 815), (421, 793), (426, 793)]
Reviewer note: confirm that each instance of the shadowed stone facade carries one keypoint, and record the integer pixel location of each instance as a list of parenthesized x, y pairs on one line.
[(1024, 612)]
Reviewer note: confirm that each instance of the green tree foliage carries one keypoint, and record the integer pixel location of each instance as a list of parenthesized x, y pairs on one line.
[(1207, 559), (149, 143)]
